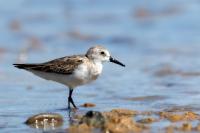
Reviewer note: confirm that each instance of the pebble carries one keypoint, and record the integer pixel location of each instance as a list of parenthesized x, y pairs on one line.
[(45, 120), (87, 105)]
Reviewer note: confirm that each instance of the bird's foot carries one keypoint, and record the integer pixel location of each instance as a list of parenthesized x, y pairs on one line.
[(70, 100)]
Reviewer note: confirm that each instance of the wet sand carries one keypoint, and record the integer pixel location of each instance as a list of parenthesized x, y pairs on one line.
[(119, 121)]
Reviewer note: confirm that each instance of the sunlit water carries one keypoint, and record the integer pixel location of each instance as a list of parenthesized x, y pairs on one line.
[(145, 35)]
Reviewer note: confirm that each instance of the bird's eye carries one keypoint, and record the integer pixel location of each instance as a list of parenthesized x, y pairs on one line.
[(102, 53)]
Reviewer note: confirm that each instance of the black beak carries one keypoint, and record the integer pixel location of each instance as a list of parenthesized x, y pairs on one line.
[(116, 61)]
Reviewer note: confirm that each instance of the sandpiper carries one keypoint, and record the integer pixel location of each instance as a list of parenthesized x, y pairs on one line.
[(73, 71)]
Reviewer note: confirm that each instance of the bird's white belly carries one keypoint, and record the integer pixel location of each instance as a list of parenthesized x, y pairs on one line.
[(65, 79)]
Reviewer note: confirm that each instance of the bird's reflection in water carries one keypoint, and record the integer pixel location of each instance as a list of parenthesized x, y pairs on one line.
[(71, 113)]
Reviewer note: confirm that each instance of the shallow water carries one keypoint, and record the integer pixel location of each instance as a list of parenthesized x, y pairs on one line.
[(158, 42)]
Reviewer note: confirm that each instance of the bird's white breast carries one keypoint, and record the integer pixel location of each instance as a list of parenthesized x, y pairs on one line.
[(88, 72)]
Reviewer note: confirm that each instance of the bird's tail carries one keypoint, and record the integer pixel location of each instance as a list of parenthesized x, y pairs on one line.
[(24, 66)]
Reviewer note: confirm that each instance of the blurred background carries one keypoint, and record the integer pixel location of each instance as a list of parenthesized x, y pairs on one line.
[(159, 41)]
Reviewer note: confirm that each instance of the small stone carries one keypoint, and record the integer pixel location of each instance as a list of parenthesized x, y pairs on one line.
[(197, 128), (86, 105), (120, 124), (186, 127), (169, 129), (175, 117), (163, 114), (191, 115), (125, 112), (93, 119), (82, 128), (147, 120), (45, 120)]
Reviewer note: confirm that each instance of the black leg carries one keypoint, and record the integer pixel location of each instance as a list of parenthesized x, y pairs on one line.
[(70, 100)]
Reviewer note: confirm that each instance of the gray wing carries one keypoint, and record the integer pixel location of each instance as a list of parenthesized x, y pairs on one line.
[(65, 65)]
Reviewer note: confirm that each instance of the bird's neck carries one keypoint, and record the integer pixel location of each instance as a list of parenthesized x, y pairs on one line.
[(98, 66), (97, 62)]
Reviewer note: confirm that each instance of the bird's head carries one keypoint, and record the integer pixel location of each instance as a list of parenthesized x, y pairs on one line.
[(101, 54)]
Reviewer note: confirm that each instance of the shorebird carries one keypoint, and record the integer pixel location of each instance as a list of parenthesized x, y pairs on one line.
[(73, 71)]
